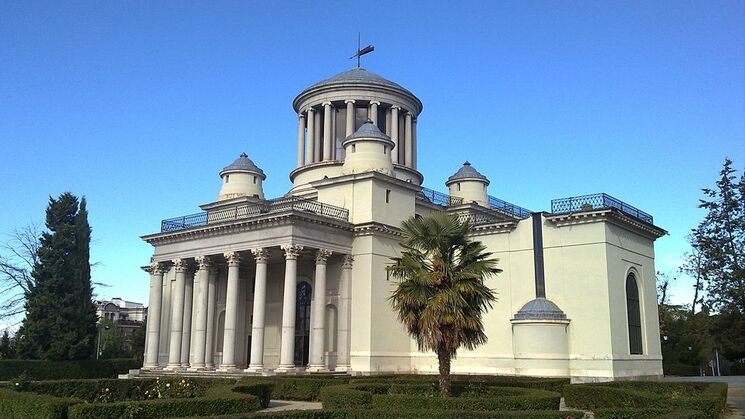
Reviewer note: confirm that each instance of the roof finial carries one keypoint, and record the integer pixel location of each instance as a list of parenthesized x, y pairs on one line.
[(361, 52), (467, 163)]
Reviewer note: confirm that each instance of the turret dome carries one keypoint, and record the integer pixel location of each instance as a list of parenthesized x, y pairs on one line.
[(241, 178), (467, 172)]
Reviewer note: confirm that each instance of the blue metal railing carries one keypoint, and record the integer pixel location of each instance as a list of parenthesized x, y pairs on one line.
[(439, 198), (597, 201), (248, 210), (517, 211)]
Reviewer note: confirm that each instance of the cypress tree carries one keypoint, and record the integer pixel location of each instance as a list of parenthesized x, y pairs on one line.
[(60, 318)]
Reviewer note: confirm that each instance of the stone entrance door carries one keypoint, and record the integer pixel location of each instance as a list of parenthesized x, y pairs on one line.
[(302, 324)]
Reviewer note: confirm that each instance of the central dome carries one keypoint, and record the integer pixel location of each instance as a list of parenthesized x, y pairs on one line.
[(357, 78), (356, 75)]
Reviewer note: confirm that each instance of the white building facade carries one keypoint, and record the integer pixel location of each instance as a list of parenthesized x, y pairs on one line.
[(298, 283)]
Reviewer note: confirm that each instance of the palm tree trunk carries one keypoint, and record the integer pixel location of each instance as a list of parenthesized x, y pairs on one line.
[(444, 360)]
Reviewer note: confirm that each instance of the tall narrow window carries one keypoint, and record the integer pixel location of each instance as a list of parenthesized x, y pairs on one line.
[(387, 196), (634, 315)]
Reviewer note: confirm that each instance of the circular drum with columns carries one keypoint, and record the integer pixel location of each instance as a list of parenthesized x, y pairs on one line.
[(333, 109)]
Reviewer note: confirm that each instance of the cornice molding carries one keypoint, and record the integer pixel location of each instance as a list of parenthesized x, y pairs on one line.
[(610, 215), (376, 229), (251, 224)]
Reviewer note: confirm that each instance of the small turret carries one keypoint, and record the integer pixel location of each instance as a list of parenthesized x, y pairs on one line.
[(241, 178), (368, 150), (469, 184)]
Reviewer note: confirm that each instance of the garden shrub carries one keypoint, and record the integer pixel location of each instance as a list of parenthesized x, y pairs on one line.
[(418, 414), (647, 414), (301, 389), (681, 370), (59, 370), (219, 400), (21, 405), (425, 397), (707, 398), (261, 390)]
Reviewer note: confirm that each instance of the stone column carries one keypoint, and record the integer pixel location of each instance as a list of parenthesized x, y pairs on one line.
[(373, 113), (287, 347), (317, 135), (209, 343), (310, 143), (186, 328), (413, 144), (153, 315), (318, 313), (259, 311), (231, 312), (407, 140), (388, 122), (345, 288), (177, 315), (350, 117), (327, 131), (300, 139), (394, 133), (200, 328)]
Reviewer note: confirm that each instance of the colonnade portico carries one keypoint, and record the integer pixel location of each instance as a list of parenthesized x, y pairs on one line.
[(193, 330)]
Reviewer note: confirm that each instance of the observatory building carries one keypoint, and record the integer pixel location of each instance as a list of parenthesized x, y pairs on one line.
[(298, 283)]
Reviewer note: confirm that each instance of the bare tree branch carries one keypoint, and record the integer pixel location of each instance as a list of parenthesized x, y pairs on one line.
[(17, 259)]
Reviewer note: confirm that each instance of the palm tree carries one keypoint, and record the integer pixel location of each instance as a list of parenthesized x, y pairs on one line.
[(440, 295)]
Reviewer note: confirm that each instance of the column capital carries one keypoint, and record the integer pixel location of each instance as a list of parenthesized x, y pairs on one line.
[(204, 262), (375, 102), (181, 265), (322, 255), (260, 254), (348, 101), (156, 268), (347, 262), (233, 258), (292, 251), (310, 110), (410, 114), (395, 108), (301, 115), (326, 104)]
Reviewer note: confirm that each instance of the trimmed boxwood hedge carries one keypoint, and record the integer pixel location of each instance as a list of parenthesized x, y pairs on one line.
[(59, 370), (421, 397), (707, 398), (301, 389), (20, 405), (218, 400), (418, 414), (261, 390), (647, 414)]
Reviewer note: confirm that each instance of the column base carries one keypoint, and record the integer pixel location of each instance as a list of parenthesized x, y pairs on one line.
[(228, 368), (286, 369), (150, 367), (343, 368), (196, 368), (173, 368), (317, 368), (256, 369)]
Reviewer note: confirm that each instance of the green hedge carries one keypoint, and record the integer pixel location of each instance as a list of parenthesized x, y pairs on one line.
[(59, 370), (707, 398), (301, 389), (647, 414), (19, 405), (550, 384), (219, 400), (422, 397), (681, 370), (261, 390), (419, 414)]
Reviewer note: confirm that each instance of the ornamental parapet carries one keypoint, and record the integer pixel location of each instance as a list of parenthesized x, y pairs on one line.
[(249, 210)]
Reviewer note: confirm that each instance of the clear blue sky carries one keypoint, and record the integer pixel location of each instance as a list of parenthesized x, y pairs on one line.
[(138, 105)]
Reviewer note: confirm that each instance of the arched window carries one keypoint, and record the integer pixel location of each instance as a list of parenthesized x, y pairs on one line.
[(633, 315), (302, 323)]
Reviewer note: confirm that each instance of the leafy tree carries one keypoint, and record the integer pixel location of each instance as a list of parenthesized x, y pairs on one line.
[(112, 343), (60, 318), (721, 240), (440, 295), (17, 259), (7, 348)]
